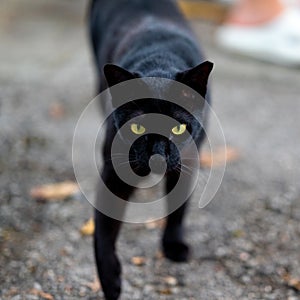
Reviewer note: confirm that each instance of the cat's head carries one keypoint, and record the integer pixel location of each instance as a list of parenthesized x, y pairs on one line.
[(138, 124)]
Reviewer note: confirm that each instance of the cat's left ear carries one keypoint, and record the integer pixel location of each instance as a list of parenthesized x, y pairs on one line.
[(197, 77), (115, 74)]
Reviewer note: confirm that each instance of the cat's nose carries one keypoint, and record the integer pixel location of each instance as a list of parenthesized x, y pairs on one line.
[(158, 163)]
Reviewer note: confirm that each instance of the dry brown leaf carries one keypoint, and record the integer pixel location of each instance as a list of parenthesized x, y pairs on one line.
[(46, 295), (291, 281), (56, 191), (238, 233), (68, 289), (94, 286), (295, 283), (159, 255), (56, 110), (155, 224), (166, 291), (220, 157), (170, 280), (41, 294), (88, 228), (138, 260), (60, 278)]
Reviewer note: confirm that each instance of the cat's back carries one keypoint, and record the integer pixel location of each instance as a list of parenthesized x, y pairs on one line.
[(118, 24), (109, 10), (112, 19)]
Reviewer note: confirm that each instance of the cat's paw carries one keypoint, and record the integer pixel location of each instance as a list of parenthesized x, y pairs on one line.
[(113, 291), (110, 276), (176, 251)]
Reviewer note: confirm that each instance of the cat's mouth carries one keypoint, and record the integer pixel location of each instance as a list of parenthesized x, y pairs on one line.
[(157, 165)]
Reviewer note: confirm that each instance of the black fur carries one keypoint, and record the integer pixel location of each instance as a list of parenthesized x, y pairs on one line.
[(136, 39)]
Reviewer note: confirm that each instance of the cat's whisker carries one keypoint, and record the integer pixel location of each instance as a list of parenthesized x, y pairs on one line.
[(190, 168), (179, 169), (128, 162), (118, 156), (201, 175), (113, 159)]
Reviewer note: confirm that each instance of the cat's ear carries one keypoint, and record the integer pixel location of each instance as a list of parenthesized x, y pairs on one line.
[(115, 74), (197, 77)]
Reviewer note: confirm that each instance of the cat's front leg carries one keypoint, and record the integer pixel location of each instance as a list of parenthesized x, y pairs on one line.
[(108, 265), (174, 246), (106, 233), (173, 241)]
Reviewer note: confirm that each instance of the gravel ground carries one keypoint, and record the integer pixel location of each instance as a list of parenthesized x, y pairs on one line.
[(245, 242)]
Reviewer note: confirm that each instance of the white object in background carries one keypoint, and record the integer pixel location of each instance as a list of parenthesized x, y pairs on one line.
[(277, 41), (290, 3)]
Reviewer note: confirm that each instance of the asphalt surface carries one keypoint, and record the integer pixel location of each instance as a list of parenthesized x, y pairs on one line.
[(245, 242)]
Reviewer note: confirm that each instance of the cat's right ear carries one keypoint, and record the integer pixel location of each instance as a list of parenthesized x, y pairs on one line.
[(115, 74), (197, 77)]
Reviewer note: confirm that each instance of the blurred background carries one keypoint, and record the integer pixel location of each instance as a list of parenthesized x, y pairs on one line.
[(245, 242)]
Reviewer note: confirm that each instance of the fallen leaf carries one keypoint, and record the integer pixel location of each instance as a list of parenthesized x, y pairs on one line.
[(295, 283), (238, 233), (88, 228), (41, 294), (94, 286), (155, 224), (138, 260), (219, 158), (68, 289), (159, 255), (46, 295), (291, 281), (166, 291), (60, 279), (170, 280), (56, 191), (56, 110)]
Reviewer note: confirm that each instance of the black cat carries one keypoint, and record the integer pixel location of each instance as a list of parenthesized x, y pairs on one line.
[(137, 39)]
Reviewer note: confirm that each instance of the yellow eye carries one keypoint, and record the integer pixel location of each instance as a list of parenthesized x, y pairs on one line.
[(137, 128), (180, 129)]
